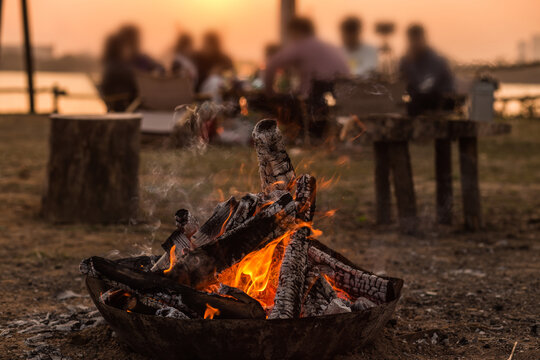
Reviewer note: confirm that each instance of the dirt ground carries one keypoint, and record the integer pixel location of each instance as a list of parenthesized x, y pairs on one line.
[(466, 295)]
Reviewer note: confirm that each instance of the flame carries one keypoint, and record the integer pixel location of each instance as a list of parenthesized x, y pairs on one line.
[(172, 259), (339, 292), (327, 183), (257, 274), (222, 230), (210, 312), (330, 213)]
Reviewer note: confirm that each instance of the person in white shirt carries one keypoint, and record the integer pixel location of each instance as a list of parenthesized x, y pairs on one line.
[(361, 58)]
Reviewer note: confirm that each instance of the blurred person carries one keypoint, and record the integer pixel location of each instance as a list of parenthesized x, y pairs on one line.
[(118, 87), (361, 57), (212, 63), (130, 36), (313, 59), (430, 82), (184, 53)]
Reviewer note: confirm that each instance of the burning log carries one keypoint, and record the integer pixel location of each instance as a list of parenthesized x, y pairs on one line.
[(186, 223), (275, 168), (178, 243), (200, 265), (162, 291), (356, 283), (245, 209), (319, 294), (305, 197), (288, 299), (215, 225)]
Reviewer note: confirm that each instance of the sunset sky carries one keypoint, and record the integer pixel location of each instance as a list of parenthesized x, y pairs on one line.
[(466, 30)]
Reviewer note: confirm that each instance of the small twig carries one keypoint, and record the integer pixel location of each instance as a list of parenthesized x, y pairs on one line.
[(512, 353)]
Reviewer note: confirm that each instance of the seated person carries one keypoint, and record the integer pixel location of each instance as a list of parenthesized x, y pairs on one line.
[(129, 35), (313, 60), (362, 58), (429, 80), (211, 63), (182, 63), (118, 87)]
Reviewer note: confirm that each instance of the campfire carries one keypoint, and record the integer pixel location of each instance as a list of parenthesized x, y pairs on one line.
[(253, 258)]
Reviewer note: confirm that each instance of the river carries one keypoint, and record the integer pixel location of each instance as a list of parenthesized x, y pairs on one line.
[(85, 98)]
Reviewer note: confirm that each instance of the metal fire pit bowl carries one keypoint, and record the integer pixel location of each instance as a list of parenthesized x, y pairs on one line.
[(319, 337)]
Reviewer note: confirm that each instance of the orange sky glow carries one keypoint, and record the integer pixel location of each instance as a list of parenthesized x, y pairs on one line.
[(465, 30)]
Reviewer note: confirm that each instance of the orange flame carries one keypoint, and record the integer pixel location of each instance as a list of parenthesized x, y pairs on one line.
[(327, 183), (172, 259), (257, 274), (330, 213), (222, 230), (210, 312), (339, 292)]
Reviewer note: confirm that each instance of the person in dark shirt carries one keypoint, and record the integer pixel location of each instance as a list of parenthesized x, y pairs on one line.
[(118, 87), (430, 82), (211, 62), (130, 36)]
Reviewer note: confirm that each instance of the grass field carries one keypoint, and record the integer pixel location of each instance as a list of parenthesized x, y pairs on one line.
[(479, 292)]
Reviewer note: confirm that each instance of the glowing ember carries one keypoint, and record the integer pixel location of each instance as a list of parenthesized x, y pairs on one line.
[(210, 312), (222, 230), (243, 106)]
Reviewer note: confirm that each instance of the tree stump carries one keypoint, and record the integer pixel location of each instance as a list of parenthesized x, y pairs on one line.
[(93, 168)]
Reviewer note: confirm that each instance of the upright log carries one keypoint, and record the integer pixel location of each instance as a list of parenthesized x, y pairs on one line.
[(443, 175), (470, 191), (275, 167), (382, 183), (93, 168), (400, 162)]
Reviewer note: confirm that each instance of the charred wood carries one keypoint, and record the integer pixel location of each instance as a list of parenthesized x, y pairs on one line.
[(356, 283), (337, 306), (170, 312), (288, 298), (186, 222), (180, 243), (318, 294), (362, 304), (275, 167), (201, 264), (245, 209), (215, 225), (160, 290), (306, 186)]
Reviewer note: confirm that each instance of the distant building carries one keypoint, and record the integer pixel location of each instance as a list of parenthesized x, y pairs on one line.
[(536, 47), (522, 51)]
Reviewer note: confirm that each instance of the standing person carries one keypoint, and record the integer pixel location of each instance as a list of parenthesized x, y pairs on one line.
[(430, 82), (184, 53), (118, 87), (313, 59), (211, 64), (362, 58), (130, 36), (317, 64)]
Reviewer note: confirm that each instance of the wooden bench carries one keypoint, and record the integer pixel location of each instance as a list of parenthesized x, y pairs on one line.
[(391, 134)]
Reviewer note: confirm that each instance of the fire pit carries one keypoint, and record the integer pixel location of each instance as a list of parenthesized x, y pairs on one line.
[(251, 282)]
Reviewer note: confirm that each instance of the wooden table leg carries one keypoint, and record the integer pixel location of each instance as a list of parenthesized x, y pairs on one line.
[(470, 191), (400, 163), (443, 175), (382, 183)]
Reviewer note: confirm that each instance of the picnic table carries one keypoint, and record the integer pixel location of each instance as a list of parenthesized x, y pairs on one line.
[(391, 135)]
